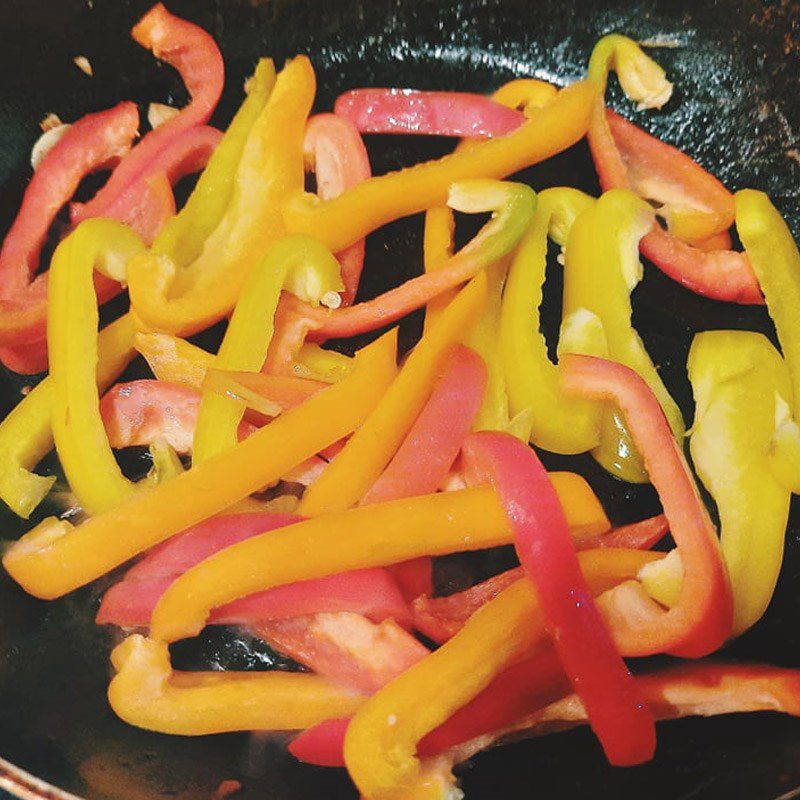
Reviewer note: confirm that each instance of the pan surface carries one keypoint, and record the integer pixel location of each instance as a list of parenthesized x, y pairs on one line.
[(736, 66)]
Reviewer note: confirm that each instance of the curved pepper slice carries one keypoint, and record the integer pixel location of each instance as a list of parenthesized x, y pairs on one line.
[(307, 269), (697, 205), (739, 382), (601, 272), (349, 217), (146, 693), (334, 151), (701, 620), (545, 549), (190, 299), (194, 53), (369, 451), (72, 319), (382, 737), (55, 558)]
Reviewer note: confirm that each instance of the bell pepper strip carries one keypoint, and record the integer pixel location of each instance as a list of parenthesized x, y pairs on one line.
[(559, 423), (437, 250), (701, 620), (411, 111), (434, 440), (739, 379), (640, 535), (345, 647), (371, 448), (382, 737), (291, 327), (525, 94), (414, 577), (184, 301), (601, 272), (718, 274), (182, 238), (544, 546), (310, 272), (370, 536), (346, 219), (88, 144), (55, 558), (26, 434), (335, 153), (166, 462), (72, 322), (775, 259), (145, 692), (174, 360), (149, 210), (195, 55)]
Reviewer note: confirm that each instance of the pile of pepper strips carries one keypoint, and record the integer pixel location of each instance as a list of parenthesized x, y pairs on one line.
[(321, 486)]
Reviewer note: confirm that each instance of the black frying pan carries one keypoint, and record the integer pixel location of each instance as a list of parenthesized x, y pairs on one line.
[(735, 109)]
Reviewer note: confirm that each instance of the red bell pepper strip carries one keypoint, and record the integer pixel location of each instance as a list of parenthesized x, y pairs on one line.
[(701, 620), (590, 658), (640, 535), (427, 113), (293, 323), (345, 647), (191, 51), (334, 151)]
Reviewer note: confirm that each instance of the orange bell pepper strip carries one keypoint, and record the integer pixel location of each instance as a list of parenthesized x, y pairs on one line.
[(702, 618), (188, 300), (145, 692), (304, 267), (55, 558), (367, 206), (370, 449), (382, 738), (72, 318)]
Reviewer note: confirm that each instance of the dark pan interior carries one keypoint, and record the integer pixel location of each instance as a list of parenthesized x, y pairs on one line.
[(736, 67)]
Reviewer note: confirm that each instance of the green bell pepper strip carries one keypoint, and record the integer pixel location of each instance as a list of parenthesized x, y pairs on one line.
[(602, 269), (302, 266), (740, 381), (72, 320)]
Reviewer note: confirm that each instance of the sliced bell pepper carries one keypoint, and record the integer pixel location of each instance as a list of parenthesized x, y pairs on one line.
[(427, 113), (701, 620), (55, 558), (739, 381), (559, 423), (601, 272), (335, 153), (292, 326), (382, 737), (544, 546), (72, 321), (190, 299), (146, 693), (194, 53), (371, 448), (166, 462), (697, 205), (346, 219), (310, 272), (640, 535), (437, 250)]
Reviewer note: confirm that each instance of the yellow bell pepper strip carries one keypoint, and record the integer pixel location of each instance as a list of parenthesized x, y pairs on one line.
[(739, 380), (301, 265), (182, 238), (184, 301), (317, 364), (437, 250), (370, 449), (602, 269), (701, 620), (382, 737), (525, 94), (72, 320), (26, 434), (346, 219), (775, 259), (166, 462), (559, 423), (55, 558), (145, 692)]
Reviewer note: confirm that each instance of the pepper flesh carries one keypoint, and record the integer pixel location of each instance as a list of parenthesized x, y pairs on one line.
[(370, 449), (601, 272), (701, 620), (309, 271), (55, 558), (739, 379)]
